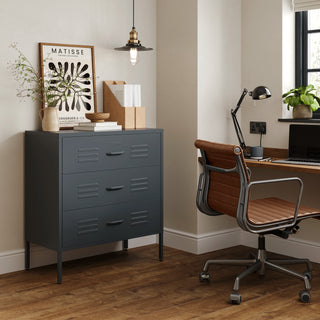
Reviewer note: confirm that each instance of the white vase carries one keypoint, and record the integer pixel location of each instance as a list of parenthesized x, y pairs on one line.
[(50, 119), (302, 111)]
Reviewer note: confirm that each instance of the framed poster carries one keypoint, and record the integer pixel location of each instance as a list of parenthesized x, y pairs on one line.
[(68, 76)]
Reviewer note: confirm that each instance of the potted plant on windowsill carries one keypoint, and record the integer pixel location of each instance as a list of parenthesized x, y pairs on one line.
[(302, 100)]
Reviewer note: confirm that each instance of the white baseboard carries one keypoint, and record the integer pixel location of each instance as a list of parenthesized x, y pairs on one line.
[(199, 244), (180, 240), (11, 261)]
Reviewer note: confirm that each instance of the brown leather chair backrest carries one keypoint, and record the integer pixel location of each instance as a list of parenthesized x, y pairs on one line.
[(224, 188)]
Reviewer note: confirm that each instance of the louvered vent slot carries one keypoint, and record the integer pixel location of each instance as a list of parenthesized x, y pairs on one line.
[(89, 190), (139, 184), (139, 217), (87, 155), (87, 226), (139, 151)]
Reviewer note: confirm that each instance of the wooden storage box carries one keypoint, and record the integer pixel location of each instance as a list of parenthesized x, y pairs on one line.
[(128, 117)]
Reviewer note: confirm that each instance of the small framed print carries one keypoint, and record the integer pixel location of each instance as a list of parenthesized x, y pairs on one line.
[(68, 79)]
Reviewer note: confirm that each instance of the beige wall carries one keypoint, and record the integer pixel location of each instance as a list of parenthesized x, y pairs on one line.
[(240, 44), (219, 81), (177, 109), (207, 52), (262, 65), (270, 62), (198, 81), (105, 24)]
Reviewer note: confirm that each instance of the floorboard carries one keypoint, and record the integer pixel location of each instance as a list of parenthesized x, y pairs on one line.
[(135, 285)]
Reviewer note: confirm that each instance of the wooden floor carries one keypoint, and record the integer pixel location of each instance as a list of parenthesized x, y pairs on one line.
[(135, 285)]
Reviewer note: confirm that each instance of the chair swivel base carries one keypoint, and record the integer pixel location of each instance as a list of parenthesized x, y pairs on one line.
[(259, 263)]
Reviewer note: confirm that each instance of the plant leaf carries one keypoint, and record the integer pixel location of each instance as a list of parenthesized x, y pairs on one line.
[(309, 88), (314, 106), (317, 98), (307, 99), (292, 101), (287, 93), (301, 90)]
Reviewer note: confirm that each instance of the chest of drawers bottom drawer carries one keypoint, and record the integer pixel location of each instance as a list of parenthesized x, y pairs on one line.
[(117, 222)]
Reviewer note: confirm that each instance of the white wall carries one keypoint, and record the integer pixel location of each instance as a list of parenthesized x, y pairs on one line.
[(105, 24), (288, 49), (219, 81)]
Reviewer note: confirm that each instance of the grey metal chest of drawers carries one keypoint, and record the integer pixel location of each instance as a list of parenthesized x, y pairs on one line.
[(89, 188)]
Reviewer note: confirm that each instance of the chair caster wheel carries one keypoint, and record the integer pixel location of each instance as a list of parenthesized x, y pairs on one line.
[(304, 296), (235, 298), (308, 274), (204, 276)]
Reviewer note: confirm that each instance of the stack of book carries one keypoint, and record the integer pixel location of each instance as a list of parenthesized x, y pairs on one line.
[(98, 126)]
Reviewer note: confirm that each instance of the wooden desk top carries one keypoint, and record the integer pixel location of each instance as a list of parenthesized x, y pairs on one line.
[(274, 153)]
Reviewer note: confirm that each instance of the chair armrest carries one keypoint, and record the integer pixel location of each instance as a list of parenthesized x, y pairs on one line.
[(276, 180), (275, 225), (202, 197)]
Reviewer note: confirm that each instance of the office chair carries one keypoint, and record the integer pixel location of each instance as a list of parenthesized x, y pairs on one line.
[(224, 188)]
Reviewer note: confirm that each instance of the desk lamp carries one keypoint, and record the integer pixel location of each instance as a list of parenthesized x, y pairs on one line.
[(258, 93)]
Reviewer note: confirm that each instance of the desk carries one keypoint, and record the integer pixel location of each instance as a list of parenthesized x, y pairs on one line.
[(274, 153)]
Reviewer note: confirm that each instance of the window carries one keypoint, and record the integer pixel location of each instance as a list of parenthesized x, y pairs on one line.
[(308, 50)]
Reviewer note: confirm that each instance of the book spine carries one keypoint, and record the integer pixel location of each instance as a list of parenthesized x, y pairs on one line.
[(98, 124), (110, 128)]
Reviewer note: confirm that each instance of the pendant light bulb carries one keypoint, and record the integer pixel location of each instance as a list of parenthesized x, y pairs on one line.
[(133, 56)]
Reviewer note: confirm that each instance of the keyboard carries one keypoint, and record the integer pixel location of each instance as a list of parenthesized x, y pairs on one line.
[(304, 162)]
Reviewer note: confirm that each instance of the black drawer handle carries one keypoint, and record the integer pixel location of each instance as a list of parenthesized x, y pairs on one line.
[(114, 188), (115, 153), (114, 223)]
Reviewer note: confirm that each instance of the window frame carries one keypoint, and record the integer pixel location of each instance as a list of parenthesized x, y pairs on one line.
[(301, 52)]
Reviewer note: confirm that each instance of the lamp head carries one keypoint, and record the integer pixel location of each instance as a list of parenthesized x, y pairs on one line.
[(260, 93)]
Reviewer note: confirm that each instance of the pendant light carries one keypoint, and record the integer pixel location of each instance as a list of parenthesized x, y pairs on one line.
[(133, 45)]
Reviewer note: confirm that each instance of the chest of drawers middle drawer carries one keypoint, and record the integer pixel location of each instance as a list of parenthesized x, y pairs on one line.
[(91, 189)]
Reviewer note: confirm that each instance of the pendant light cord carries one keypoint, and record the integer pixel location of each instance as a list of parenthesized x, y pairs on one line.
[(133, 13)]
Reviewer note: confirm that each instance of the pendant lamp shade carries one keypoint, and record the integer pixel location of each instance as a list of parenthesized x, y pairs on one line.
[(133, 45)]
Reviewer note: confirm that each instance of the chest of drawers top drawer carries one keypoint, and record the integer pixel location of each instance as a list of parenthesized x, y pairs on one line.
[(101, 152)]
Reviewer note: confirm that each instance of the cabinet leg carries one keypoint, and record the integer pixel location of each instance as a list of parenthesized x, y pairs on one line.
[(125, 245), (27, 255), (59, 266), (161, 246)]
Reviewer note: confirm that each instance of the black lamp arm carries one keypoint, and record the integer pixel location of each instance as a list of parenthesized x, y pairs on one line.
[(238, 131), (235, 121), (244, 93)]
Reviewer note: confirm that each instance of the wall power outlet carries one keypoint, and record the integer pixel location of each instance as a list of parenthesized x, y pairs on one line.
[(258, 127)]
